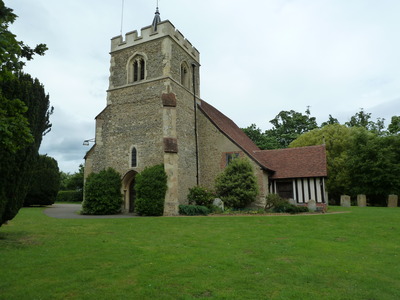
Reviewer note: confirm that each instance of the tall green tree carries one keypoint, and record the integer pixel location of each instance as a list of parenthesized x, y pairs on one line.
[(359, 161), (330, 121), (337, 139), (13, 51), (75, 181), (15, 176), (363, 119), (64, 179), (289, 125), (394, 126), (374, 165), (24, 117), (360, 119), (262, 140)]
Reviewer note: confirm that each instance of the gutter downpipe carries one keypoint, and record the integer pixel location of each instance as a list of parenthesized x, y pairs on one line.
[(195, 124)]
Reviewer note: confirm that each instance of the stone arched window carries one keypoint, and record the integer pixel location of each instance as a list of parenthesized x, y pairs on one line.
[(133, 157), (185, 75), (136, 69)]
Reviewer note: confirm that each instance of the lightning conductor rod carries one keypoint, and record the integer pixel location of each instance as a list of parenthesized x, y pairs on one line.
[(122, 15)]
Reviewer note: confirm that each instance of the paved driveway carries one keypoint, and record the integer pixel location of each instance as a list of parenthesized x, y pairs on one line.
[(71, 211)]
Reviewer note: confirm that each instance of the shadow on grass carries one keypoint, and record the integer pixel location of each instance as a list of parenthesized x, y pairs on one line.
[(17, 240)]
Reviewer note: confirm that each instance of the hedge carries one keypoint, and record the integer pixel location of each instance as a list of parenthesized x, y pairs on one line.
[(193, 210), (69, 196)]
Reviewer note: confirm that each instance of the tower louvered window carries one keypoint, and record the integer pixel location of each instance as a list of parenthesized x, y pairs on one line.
[(138, 69), (185, 75)]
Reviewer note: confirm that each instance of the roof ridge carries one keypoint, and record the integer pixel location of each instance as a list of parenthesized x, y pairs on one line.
[(288, 149), (231, 131)]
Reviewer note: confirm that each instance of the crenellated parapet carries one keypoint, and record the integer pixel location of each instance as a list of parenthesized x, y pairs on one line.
[(165, 28)]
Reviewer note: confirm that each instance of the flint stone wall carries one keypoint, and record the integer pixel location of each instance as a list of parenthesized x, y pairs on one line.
[(212, 155)]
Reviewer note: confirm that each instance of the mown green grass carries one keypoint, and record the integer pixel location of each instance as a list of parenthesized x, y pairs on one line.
[(335, 256)]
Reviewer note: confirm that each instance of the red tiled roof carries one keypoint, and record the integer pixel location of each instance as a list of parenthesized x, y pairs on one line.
[(295, 162), (287, 163), (230, 129)]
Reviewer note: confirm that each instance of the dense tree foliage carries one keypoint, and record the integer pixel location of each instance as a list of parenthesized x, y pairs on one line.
[(14, 129), (374, 165), (151, 186), (12, 50), (236, 185), (359, 161), (287, 126), (73, 181), (71, 186), (394, 126), (337, 139), (261, 139), (363, 119), (102, 193), (24, 117), (330, 121), (15, 175), (362, 155), (45, 182)]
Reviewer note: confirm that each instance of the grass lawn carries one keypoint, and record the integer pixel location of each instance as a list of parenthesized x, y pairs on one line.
[(334, 256)]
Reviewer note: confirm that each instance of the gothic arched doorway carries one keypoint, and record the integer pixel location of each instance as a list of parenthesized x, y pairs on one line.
[(128, 185)]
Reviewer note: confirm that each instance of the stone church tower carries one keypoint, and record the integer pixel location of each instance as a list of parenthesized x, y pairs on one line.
[(150, 114), (154, 115)]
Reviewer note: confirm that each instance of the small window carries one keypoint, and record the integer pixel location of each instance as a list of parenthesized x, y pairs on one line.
[(134, 158), (230, 157)]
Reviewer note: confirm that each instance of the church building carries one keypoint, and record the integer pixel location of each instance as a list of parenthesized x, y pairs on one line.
[(154, 115)]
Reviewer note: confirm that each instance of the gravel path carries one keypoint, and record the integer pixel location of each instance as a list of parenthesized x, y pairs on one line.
[(71, 211)]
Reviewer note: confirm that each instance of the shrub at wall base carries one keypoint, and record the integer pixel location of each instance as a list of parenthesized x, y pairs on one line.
[(200, 196), (151, 186), (237, 185), (102, 193), (193, 210)]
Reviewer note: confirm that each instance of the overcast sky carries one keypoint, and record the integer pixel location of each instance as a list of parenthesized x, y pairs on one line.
[(258, 57)]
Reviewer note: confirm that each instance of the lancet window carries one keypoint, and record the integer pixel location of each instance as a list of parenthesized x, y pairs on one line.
[(134, 158)]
